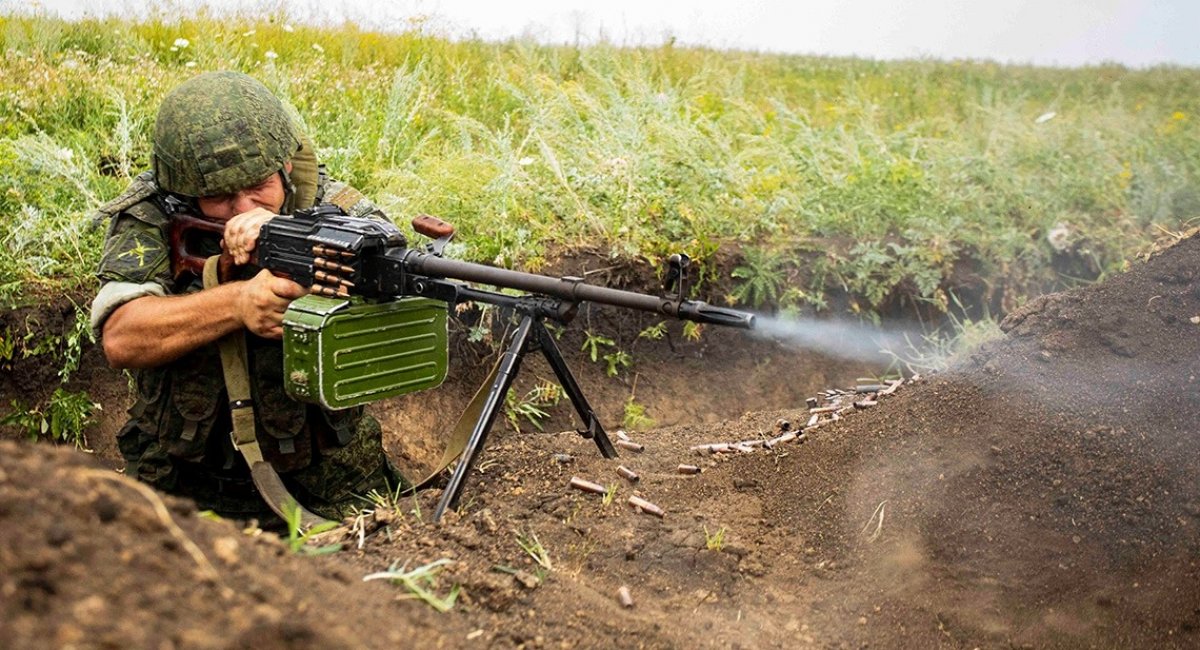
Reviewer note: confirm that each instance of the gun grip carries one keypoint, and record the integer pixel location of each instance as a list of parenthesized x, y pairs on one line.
[(431, 226)]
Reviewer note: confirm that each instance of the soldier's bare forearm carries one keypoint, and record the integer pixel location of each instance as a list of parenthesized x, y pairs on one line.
[(153, 330)]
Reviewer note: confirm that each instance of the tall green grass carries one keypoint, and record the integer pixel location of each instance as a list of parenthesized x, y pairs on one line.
[(861, 178)]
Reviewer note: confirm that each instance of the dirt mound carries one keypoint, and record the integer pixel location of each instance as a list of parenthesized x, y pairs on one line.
[(90, 559), (1045, 492)]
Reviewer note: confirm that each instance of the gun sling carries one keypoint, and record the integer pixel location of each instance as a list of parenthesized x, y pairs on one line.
[(241, 410)]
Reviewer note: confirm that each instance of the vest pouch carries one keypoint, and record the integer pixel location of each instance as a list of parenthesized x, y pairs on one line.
[(342, 426), (149, 382), (197, 394), (283, 436)]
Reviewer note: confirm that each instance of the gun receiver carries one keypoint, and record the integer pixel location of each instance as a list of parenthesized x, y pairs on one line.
[(339, 256)]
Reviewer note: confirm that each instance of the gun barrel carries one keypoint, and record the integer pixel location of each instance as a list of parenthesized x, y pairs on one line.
[(575, 290)]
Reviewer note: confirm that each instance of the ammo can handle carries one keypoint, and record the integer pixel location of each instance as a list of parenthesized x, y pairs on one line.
[(431, 226)]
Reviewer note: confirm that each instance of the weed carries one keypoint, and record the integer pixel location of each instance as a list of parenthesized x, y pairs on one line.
[(714, 541), (593, 343), (655, 332), (298, 538), (420, 582), (763, 276), (616, 361), (532, 546), (63, 419), (692, 331), (610, 494), (635, 417), (532, 406)]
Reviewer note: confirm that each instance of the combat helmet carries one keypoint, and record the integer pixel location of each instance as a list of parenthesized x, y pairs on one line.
[(220, 132)]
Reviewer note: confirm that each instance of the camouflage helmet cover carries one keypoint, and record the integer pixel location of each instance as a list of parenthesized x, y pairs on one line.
[(220, 132)]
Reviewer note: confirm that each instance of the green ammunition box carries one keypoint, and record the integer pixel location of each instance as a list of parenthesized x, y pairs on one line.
[(342, 353)]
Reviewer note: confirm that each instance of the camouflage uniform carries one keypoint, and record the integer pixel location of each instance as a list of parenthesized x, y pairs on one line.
[(178, 437)]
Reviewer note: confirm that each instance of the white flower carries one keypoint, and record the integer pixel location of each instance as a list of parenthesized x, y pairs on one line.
[(270, 54), (288, 28), (182, 43), (190, 64), (1045, 117), (525, 161), (1059, 237), (317, 47)]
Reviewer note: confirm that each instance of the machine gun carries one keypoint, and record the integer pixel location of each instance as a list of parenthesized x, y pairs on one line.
[(374, 325)]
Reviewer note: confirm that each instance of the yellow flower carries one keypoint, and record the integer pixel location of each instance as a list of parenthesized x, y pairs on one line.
[(1178, 116)]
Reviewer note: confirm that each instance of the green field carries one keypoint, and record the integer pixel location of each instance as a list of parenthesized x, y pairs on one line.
[(882, 183)]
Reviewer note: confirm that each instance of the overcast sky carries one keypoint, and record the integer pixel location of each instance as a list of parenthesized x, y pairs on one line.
[(1044, 32)]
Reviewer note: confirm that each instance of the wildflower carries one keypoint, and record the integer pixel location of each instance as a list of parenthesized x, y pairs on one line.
[(270, 54), (317, 47), (1179, 116), (182, 43), (1059, 237), (1045, 117), (288, 28)]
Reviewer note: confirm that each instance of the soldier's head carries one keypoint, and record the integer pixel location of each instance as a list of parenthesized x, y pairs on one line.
[(225, 141)]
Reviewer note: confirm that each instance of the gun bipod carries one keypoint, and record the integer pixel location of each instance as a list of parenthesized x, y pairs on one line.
[(531, 333)]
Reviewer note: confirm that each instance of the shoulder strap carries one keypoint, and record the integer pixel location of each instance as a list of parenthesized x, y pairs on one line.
[(241, 408)]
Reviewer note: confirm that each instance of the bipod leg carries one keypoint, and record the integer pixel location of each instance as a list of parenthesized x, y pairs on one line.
[(591, 423), (509, 364)]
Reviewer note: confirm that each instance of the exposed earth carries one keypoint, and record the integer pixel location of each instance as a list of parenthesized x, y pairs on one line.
[(1044, 492)]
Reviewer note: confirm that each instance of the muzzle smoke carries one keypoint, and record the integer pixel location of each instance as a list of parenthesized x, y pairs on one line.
[(850, 340)]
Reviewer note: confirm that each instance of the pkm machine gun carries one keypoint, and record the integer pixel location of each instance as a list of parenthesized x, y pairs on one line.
[(365, 272)]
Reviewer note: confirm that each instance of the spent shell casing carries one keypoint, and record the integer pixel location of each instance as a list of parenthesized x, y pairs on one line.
[(823, 409), (868, 388), (742, 448), (712, 448), (783, 425), (812, 421), (687, 469), (811, 402), (646, 506), (624, 597), (787, 437), (865, 404), (630, 445), (587, 486), (628, 474), (892, 386), (621, 435)]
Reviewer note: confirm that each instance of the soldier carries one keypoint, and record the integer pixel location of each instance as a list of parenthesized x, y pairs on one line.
[(224, 148)]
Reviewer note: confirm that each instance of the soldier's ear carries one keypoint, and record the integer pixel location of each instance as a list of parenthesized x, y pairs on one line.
[(287, 166)]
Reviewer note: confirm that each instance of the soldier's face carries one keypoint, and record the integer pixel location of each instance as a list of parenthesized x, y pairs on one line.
[(268, 194)]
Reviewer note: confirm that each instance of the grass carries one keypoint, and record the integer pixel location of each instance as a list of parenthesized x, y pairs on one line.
[(822, 174), (715, 541), (420, 583), (298, 538)]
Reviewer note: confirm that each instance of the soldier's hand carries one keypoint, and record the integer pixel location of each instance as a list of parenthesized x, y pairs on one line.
[(263, 300), (241, 233)]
